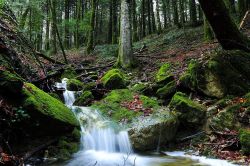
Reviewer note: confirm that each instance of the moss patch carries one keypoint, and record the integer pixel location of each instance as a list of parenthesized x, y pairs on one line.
[(167, 91), (10, 83), (69, 73), (37, 100), (114, 79), (85, 99), (111, 105), (190, 113), (74, 85), (164, 75), (245, 141)]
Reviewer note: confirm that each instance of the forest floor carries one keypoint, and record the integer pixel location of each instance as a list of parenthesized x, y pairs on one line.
[(175, 46)]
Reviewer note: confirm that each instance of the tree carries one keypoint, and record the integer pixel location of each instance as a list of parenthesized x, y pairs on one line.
[(90, 45), (223, 26), (125, 57), (193, 12)]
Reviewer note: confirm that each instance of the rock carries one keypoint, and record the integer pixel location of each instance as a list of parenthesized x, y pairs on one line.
[(10, 83), (140, 87), (45, 111), (74, 85), (167, 91), (190, 113), (164, 75), (225, 73), (89, 86), (245, 141), (84, 99), (114, 79), (113, 105), (146, 133), (69, 73)]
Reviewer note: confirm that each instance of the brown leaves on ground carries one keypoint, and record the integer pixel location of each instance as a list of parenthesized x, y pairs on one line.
[(137, 106)]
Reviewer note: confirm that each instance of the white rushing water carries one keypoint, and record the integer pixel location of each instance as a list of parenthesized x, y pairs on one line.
[(103, 145)]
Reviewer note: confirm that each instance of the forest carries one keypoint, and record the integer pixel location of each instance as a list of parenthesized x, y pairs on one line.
[(124, 82)]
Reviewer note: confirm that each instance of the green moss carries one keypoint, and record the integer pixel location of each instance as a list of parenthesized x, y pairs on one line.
[(76, 135), (114, 79), (74, 85), (85, 99), (140, 87), (189, 78), (222, 74), (190, 113), (56, 96), (245, 141), (10, 83), (111, 105), (37, 100), (164, 75), (167, 91), (89, 86), (69, 73)]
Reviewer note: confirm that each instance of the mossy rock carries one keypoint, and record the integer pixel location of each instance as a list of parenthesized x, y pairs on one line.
[(55, 95), (69, 73), (74, 85), (145, 133), (114, 79), (244, 137), (164, 73), (84, 99), (191, 113), (89, 86), (225, 73), (140, 87), (111, 105), (10, 83), (167, 91), (44, 107)]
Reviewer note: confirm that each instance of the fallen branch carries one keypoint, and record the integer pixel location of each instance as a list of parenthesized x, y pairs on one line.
[(48, 58), (37, 149), (191, 136)]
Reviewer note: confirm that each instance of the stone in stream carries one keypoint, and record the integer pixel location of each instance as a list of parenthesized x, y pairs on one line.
[(74, 85), (153, 131), (84, 99)]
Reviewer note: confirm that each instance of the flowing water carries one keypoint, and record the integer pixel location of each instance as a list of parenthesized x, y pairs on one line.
[(104, 144)]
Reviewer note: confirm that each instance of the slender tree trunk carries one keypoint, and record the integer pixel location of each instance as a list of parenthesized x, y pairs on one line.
[(223, 26), (175, 13), (159, 29), (164, 11), (90, 45), (125, 57), (193, 12), (134, 17)]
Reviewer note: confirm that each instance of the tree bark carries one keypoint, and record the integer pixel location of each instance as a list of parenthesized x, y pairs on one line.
[(223, 26), (125, 57)]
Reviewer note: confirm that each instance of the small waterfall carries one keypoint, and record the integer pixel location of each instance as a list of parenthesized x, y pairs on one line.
[(97, 133)]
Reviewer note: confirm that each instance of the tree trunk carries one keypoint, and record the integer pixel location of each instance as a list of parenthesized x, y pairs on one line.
[(223, 26), (193, 12), (125, 57), (90, 45)]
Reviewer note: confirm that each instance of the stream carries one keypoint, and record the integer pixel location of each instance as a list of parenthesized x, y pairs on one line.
[(104, 143)]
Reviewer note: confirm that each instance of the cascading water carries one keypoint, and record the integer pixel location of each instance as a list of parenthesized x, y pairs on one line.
[(97, 134), (103, 145)]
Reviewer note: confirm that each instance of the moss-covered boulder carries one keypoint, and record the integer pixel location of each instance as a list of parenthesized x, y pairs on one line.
[(69, 73), (74, 85), (234, 116), (47, 111), (140, 87), (114, 79), (146, 133), (115, 105), (167, 91), (10, 83), (225, 73), (244, 137), (164, 75), (84, 99), (191, 113)]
